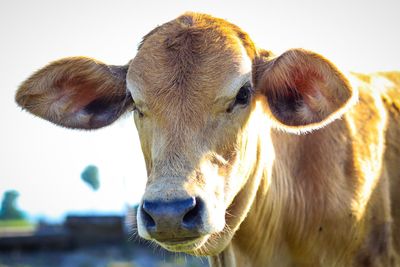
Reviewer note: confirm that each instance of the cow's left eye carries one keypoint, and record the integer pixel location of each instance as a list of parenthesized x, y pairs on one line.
[(242, 97)]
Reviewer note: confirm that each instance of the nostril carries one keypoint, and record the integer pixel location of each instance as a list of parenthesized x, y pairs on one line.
[(146, 217), (193, 216), (176, 217)]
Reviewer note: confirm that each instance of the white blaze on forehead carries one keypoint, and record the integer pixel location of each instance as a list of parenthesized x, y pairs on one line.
[(240, 76)]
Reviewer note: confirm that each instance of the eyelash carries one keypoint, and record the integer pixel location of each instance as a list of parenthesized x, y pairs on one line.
[(242, 97)]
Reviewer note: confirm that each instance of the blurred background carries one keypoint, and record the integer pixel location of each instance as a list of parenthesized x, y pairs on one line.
[(65, 194)]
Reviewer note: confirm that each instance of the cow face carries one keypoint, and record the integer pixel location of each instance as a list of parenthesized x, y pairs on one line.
[(191, 83), (204, 101)]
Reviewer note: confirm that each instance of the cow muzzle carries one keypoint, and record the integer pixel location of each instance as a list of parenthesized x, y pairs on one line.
[(173, 221)]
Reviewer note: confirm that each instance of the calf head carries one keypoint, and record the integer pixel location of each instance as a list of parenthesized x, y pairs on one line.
[(204, 99)]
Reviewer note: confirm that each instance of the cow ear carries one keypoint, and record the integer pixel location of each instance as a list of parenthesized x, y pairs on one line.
[(76, 92), (304, 91)]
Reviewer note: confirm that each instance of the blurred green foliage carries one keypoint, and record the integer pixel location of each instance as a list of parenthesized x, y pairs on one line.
[(9, 210), (90, 176), (16, 223)]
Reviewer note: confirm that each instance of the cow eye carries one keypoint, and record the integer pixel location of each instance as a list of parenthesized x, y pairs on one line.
[(242, 97), (138, 112)]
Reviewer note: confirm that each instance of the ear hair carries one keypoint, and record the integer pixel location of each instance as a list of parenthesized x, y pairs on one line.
[(76, 92), (304, 91)]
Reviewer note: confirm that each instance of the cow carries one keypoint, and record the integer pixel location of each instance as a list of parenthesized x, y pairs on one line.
[(253, 159)]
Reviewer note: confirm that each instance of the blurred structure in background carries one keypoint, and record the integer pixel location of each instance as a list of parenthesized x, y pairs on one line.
[(79, 240), (83, 241)]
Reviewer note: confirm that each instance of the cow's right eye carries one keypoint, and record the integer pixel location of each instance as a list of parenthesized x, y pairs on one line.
[(138, 112)]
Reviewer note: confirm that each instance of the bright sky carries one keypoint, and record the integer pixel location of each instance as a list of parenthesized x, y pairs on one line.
[(43, 162)]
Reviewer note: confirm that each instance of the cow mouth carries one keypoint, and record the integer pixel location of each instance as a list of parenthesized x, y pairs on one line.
[(183, 244)]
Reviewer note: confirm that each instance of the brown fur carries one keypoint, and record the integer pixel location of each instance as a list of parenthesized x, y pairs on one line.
[(307, 174), (77, 83)]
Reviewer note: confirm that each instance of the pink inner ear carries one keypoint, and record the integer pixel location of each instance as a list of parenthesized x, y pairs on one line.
[(294, 91), (77, 93), (305, 78), (299, 79), (303, 88), (307, 82)]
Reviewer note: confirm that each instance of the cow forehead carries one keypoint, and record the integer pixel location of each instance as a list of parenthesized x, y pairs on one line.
[(188, 64)]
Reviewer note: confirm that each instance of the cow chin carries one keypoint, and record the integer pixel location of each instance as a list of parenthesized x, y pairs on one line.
[(194, 247), (206, 245)]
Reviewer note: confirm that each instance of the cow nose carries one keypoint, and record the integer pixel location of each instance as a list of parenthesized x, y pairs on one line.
[(172, 220)]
